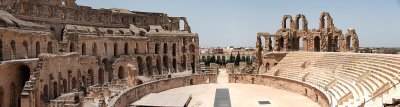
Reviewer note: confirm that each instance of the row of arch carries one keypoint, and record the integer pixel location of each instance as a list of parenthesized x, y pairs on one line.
[(162, 65), (94, 49), (18, 52), (326, 39)]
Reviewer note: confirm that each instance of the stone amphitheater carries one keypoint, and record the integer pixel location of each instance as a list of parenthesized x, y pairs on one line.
[(55, 53)]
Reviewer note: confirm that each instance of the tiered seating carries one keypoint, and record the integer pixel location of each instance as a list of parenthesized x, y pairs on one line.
[(358, 74)]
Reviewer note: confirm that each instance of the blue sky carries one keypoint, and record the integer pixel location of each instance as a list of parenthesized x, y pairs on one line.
[(236, 22)]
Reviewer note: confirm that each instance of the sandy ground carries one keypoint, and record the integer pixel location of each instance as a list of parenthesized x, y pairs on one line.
[(243, 95)]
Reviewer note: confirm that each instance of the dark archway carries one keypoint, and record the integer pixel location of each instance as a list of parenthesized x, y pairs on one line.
[(157, 48), (115, 49), (94, 49), (192, 48), (165, 48), (105, 48), (280, 43), (55, 90), (71, 47), (91, 76), (126, 48), (140, 65), (64, 86), (26, 49), (74, 83), (37, 49), (166, 62), (23, 74), (336, 44), (159, 66), (83, 49), (84, 81), (149, 63), (49, 47), (317, 44), (45, 92), (330, 43), (193, 64), (191, 82), (101, 76), (13, 47), (174, 65), (348, 43), (174, 49), (183, 65), (121, 73), (1, 54), (1, 97)]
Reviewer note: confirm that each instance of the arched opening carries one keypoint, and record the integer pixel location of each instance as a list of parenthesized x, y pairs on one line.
[(121, 73), (74, 83), (166, 60), (100, 76), (26, 49), (300, 23), (193, 64), (1, 55), (181, 25), (336, 44), (83, 49), (149, 63), (121, 32), (49, 47), (165, 48), (140, 65), (126, 48), (91, 75), (174, 65), (192, 48), (323, 22), (22, 73), (13, 48), (174, 49), (71, 47), (266, 66), (94, 49), (317, 44), (191, 82), (37, 49), (305, 44), (280, 43), (158, 64), (330, 44), (115, 49), (64, 87), (183, 65), (138, 82), (45, 92), (55, 90), (299, 43), (105, 48), (84, 81), (348, 43), (136, 48), (110, 31), (157, 48), (287, 23)]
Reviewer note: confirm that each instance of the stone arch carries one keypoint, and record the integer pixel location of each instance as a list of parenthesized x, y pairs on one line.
[(26, 48), (121, 32), (166, 62), (281, 45), (304, 25), (71, 47), (174, 65), (91, 76), (23, 75), (83, 49), (74, 83), (110, 31), (351, 41), (121, 73), (304, 42), (183, 65), (139, 82), (49, 47), (317, 44), (45, 92), (115, 49), (100, 76), (330, 43), (156, 48), (84, 81), (37, 48), (149, 63), (174, 49), (193, 64), (181, 25), (94, 49), (126, 48), (284, 21), (191, 82), (159, 66), (55, 89), (328, 19), (13, 47), (165, 48), (192, 48), (64, 87), (140, 64)]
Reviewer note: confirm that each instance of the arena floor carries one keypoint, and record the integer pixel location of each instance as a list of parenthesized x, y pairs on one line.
[(242, 95)]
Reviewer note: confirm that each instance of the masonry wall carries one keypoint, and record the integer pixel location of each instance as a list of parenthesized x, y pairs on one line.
[(135, 93)]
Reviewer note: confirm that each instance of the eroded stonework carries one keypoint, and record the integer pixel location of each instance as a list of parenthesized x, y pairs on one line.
[(57, 53)]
